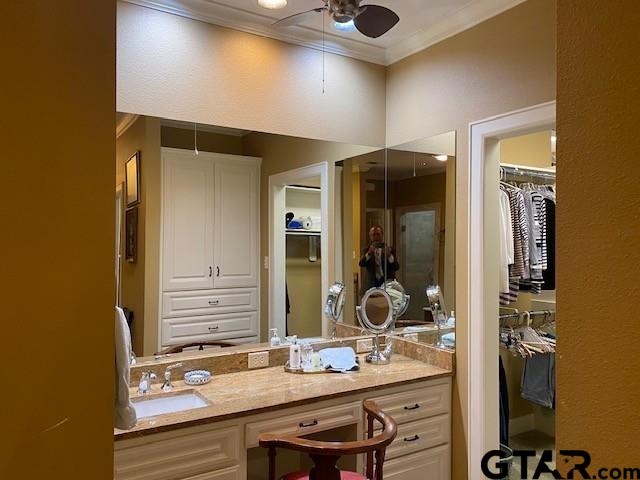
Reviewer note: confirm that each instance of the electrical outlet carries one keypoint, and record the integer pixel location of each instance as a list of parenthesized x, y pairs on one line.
[(412, 337), (365, 345), (258, 360)]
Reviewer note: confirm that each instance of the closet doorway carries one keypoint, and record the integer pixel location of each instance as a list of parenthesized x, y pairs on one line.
[(306, 192), (484, 284)]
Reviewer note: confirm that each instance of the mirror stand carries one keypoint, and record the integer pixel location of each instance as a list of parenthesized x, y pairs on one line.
[(377, 356)]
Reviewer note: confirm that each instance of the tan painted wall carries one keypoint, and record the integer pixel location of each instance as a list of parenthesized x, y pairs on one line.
[(598, 105), (505, 63), (57, 214), (218, 76), (140, 280), (532, 150)]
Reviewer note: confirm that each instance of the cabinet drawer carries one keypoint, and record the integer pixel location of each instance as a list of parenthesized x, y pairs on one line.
[(232, 473), (179, 457), (207, 302), (209, 327), (415, 404), (420, 435), (304, 423), (434, 464)]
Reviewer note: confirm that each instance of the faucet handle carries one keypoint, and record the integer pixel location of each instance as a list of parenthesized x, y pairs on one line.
[(167, 386), (172, 367), (145, 382)]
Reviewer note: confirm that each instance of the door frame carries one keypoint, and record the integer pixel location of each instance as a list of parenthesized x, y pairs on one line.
[(399, 211), (481, 291), (278, 240)]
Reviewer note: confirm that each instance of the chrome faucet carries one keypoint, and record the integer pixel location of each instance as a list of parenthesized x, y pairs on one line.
[(144, 386), (167, 386)]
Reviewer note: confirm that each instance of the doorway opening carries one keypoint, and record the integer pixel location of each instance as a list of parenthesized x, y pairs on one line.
[(483, 287), (418, 229), (300, 251)]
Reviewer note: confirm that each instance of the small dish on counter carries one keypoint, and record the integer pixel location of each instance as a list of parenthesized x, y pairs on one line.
[(197, 377)]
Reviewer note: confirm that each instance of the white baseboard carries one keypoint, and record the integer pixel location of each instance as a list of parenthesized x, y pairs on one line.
[(518, 425)]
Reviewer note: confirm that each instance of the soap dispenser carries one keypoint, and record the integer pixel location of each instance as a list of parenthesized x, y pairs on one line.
[(275, 339)]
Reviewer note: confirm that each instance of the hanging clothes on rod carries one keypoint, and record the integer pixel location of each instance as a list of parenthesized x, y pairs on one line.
[(537, 347), (527, 229)]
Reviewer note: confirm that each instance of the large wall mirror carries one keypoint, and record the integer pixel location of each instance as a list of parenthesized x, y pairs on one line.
[(398, 232), (236, 232)]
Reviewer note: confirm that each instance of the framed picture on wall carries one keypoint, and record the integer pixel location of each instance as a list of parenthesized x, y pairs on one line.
[(132, 179), (131, 234)]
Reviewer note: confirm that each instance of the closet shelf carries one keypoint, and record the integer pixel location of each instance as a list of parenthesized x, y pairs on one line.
[(300, 232)]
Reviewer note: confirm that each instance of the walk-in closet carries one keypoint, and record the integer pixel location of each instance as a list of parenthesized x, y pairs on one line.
[(527, 318)]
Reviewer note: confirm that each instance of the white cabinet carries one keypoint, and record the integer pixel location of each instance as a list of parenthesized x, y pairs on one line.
[(187, 216), (236, 215), (210, 246)]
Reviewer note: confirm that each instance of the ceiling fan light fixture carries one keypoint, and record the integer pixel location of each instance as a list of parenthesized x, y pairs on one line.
[(272, 4), (348, 26), (441, 158)]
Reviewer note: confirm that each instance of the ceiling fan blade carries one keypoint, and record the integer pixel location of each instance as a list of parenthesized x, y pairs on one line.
[(297, 18), (374, 20)]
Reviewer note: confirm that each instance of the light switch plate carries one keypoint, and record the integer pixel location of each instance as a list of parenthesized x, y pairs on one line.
[(258, 360), (365, 345)]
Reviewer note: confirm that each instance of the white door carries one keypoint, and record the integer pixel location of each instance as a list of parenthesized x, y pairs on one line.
[(188, 221), (236, 215)]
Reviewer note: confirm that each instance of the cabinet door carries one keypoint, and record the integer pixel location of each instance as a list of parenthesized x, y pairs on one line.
[(187, 221), (434, 464), (236, 223)]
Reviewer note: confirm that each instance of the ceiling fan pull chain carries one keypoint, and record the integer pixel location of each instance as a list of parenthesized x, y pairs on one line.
[(195, 139), (323, 48)]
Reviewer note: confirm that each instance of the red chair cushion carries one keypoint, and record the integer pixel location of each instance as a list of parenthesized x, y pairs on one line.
[(305, 476)]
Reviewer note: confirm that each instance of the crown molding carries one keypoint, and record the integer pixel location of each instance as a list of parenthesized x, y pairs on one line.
[(126, 120), (216, 13), (465, 18), (251, 22)]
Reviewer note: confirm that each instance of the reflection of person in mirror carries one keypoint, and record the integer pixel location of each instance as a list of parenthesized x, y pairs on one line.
[(372, 260)]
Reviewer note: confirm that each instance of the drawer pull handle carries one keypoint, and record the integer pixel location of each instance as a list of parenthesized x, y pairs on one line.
[(412, 407), (412, 439), (214, 302), (213, 329), (309, 424)]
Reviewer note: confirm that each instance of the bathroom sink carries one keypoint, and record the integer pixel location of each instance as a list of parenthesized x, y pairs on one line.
[(178, 402)]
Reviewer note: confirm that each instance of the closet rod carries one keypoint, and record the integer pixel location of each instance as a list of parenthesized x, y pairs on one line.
[(525, 172), (531, 313)]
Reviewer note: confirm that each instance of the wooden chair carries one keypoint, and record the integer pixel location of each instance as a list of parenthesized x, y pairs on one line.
[(200, 345), (326, 454)]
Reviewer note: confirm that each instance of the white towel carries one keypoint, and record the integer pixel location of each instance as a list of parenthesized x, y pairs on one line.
[(124, 415)]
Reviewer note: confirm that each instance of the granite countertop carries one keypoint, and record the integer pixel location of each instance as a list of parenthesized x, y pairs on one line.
[(255, 391)]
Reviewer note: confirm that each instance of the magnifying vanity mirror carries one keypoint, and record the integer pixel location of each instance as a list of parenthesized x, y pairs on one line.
[(399, 297), (334, 306), (438, 310), (376, 314)]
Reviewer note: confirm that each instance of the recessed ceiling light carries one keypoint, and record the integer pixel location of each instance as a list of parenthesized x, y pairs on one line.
[(272, 4), (345, 26), (441, 158)]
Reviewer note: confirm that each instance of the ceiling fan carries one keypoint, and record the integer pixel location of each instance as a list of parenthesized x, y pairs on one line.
[(370, 20)]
